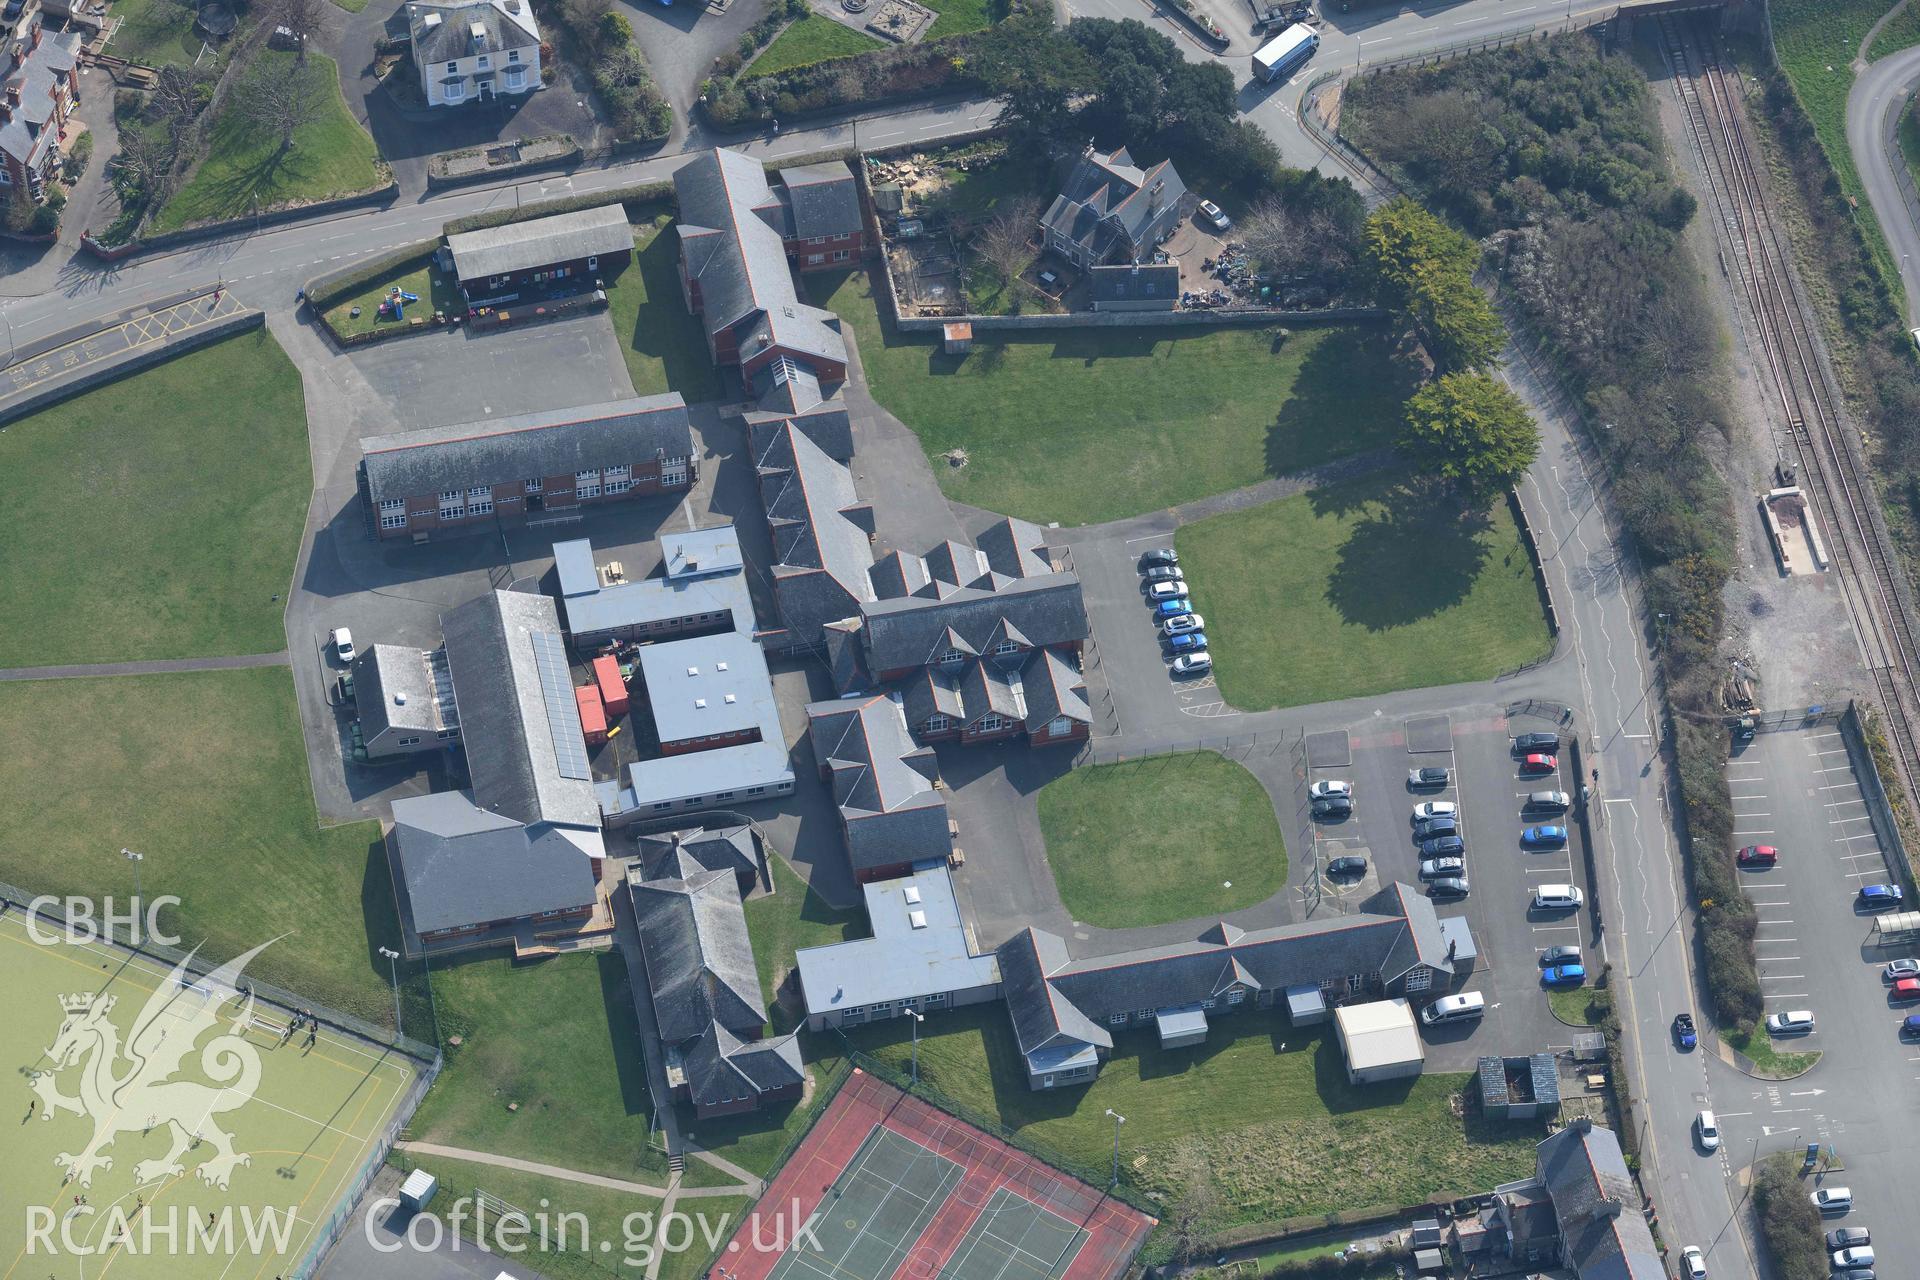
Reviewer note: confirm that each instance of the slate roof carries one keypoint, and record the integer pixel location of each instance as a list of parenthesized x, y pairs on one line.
[(504, 715), (739, 262), (1053, 687), (538, 242), (823, 198), (1015, 548), (721, 1067), (826, 423), (1110, 205), (911, 631), (1602, 1234), (1042, 1018), (882, 782), (461, 865), (1134, 282), (551, 442), (47, 64), (400, 688), (681, 855), (820, 554), (700, 966)]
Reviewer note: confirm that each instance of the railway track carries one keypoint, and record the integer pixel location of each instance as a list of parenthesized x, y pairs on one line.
[(1829, 457)]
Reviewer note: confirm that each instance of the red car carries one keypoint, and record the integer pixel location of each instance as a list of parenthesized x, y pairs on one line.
[(1906, 989), (1757, 855), (1539, 764)]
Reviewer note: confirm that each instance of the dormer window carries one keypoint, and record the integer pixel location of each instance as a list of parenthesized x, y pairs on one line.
[(1006, 647), (953, 655)]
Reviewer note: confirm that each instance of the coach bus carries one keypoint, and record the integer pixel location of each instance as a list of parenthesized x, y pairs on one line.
[(1286, 53)]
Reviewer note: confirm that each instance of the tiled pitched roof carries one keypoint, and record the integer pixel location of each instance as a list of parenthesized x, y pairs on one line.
[(823, 198), (1107, 200), (882, 781), (44, 67), (820, 555), (700, 965), (461, 865)]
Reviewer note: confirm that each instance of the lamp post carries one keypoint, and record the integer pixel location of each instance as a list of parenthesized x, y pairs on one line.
[(1118, 1120), (917, 1020), (136, 859), (393, 969)]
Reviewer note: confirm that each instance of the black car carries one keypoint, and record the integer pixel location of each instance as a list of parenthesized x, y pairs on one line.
[(1349, 864), (1332, 807), (1848, 1237), (1428, 777), (1159, 556), (1428, 828), (1455, 887), (1526, 743), (1443, 847)]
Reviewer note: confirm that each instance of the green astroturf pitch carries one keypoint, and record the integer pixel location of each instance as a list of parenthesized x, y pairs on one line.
[(134, 1099)]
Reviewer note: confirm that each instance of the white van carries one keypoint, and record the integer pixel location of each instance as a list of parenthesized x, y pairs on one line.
[(1557, 897), (1468, 1004)]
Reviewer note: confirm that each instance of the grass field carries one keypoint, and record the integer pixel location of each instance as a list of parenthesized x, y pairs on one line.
[(1571, 1005), (158, 516), (305, 1129), (1359, 589), (245, 169), (960, 16), (1257, 1124), (811, 39), (156, 32), (556, 1041), (1153, 841), (1091, 426), (1770, 1062), (204, 773), (792, 917), (661, 343), (436, 290)]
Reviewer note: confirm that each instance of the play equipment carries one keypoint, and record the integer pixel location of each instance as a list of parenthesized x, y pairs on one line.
[(395, 303)]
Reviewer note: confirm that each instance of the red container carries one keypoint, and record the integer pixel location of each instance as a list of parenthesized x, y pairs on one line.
[(593, 715), (613, 690)]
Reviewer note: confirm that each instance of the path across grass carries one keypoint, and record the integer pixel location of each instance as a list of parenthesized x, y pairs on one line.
[(1094, 425), (1154, 841), (158, 516), (1357, 589)]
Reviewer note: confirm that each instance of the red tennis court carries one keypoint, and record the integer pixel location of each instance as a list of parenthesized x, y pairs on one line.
[(896, 1189)]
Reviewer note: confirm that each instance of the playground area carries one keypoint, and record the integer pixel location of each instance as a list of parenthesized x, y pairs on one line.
[(897, 1187), (173, 1126), (412, 290)]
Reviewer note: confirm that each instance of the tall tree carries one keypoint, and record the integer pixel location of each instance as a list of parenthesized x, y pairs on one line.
[(302, 18), (278, 101), (1036, 73), (1006, 242), (1423, 269), (1471, 430)]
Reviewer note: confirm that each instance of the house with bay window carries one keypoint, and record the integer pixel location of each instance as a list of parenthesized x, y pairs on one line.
[(474, 52), (39, 89)]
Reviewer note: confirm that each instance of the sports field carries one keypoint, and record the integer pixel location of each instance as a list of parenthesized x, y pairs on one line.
[(140, 1104), (895, 1188)]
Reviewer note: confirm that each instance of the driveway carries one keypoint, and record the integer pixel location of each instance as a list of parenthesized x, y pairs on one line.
[(681, 41)]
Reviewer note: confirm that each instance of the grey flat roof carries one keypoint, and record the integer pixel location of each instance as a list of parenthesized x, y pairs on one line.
[(573, 562), (592, 608), (710, 685), (899, 961), (707, 773), (540, 242), (694, 553)]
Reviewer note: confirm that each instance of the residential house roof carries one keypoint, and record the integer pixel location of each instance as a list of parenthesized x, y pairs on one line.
[(540, 242), (44, 61), (462, 865), (882, 782), (693, 934), (1136, 282), (1109, 205), (1602, 1234), (505, 24), (551, 442)]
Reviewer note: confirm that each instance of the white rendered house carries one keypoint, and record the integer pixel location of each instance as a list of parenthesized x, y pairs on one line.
[(475, 51)]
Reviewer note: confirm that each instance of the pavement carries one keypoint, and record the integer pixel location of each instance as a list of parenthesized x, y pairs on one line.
[(160, 666)]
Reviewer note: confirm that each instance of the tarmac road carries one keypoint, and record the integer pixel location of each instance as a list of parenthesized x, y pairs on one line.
[(1880, 93)]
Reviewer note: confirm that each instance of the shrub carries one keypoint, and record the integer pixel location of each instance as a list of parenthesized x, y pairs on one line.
[(79, 155), (1789, 1224)]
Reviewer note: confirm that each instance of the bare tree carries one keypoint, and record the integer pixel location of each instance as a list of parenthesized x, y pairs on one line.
[(144, 160), (180, 94), (585, 17), (1006, 242), (279, 101), (302, 18), (1288, 241)]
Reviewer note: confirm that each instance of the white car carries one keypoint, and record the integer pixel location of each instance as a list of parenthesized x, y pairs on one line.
[(1693, 1264), (1907, 968), (1436, 809), (1188, 664), (1172, 589), (1794, 1022), (1832, 1199), (343, 643), (1709, 1132), (1331, 787), (1858, 1256), (1183, 623), (1213, 215)]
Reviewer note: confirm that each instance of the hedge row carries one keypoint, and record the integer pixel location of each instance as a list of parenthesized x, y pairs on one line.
[(1789, 1224), (325, 290), (640, 199)]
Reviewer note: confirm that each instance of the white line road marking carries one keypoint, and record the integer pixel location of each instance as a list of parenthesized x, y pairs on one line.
[(1780, 977)]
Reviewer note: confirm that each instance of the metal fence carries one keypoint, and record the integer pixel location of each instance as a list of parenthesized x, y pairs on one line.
[(1239, 746), (1873, 789)]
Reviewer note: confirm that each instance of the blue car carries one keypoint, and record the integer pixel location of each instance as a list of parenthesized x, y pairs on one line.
[(1172, 608), (1564, 975), (1544, 835), (1683, 1030), (1187, 642), (1881, 895), (1911, 1025)]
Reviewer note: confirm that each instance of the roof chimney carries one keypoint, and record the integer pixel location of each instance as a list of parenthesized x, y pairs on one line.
[(1609, 1207)]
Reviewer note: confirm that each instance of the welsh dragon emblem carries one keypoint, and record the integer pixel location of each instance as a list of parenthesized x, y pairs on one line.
[(132, 1087)]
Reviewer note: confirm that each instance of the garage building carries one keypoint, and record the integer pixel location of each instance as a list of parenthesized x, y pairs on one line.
[(1379, 1040)]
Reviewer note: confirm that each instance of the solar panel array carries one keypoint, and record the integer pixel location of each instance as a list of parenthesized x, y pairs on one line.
[(563, 713)]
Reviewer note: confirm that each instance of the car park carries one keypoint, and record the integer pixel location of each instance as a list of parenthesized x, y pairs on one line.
[(1190, 664), (1435, 809), (1452, 887), (1191, 642), (1848, 1237), (1443, 847), (1683, 1032), (1347, 864), (1564, 975), (1442, 868), (1211, 214), (1861, 1255), (1880, 896), (1524, 743), (1549, 801), (1172, 589), (1566, 953), (1172, 608), (1544, 835), (1794, 1022), (1428, 828), (1557, 897), (1332, 807), (1905, 989), (1905, 967), (1181, 623), (1757, 855), (1455, 1008), (1157, 556), (1539, 764), (1330, 787), (1428, 777), (343, 643), (1693, 1266), (1707, 1130), (1162, 573), (1832, 1199)]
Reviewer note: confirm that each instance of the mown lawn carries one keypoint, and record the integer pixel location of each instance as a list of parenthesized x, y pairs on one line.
[(1258, 1123), (809, 40), (205, 774), (158, 516), (662, 344), (557, 1037), (1572, 1005), (1768, 1059), (246, 170), (1153, 841), (1095, 425), (1358, 589), (959, 16), (436, 290), (155, 32), (792, 917)]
